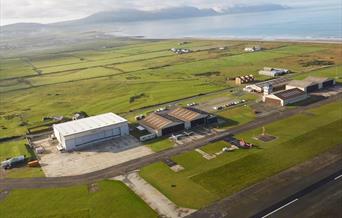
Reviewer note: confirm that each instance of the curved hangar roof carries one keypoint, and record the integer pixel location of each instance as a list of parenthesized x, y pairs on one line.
[(89, 123)]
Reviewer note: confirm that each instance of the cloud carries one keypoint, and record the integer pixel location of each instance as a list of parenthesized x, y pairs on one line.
[(57, 10)]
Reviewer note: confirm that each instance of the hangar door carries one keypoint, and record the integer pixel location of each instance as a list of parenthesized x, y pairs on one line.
[(96, 136), (312, 88), (273, 101), (198, 122), (328, 83), (173, 129)]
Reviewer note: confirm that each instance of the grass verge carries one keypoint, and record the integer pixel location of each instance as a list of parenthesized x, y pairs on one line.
[(110, 199)]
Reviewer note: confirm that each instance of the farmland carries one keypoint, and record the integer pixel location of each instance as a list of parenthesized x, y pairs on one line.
[(76, 201), (104, 79), (127, 79), (205, 180)]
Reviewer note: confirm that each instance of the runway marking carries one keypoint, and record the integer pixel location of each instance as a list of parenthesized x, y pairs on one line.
[(285, 205), (336, 178)]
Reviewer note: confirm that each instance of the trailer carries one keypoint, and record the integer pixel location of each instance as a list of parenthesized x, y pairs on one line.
[(12, 162), (34, 163)]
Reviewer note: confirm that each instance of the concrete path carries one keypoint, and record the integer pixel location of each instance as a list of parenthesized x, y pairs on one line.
[(205, 155), (155, 199)]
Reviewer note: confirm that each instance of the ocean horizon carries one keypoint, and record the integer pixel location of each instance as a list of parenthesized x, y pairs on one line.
[(311, 23)]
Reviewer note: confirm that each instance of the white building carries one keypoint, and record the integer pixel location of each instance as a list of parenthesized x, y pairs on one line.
[(268, 71), (77, 134), (277, 84), (285, 97), (253, 49), (311, 84)]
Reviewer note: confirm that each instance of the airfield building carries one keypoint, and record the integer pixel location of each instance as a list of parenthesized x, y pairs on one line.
[(244, 79), (268, 71), (285, 97), (277, 84), (161, 124), (252, 49), (311, 84), (175, 120), (77, 134), (189, 117)]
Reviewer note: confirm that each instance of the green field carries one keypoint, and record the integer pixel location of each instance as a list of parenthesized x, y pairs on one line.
[(159, 144), (103, 80), (16, 148), (107, 199), (299, 138)]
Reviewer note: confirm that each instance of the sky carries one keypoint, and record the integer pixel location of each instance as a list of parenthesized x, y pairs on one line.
[(49, 11)]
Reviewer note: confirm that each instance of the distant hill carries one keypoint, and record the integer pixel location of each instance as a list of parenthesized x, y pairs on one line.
[(131, 15), (254, 8), (22, 26)]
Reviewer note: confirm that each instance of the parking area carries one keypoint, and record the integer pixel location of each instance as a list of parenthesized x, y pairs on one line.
[(195, 134), (210, 105), (95, 157)]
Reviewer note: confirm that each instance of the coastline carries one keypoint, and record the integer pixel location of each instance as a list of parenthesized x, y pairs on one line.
[(298, 40)]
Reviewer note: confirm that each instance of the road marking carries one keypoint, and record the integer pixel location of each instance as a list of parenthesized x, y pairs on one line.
[(285, 205), (336, 178)]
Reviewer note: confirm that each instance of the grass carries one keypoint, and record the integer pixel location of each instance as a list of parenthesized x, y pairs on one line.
[(299, 138), (112, 199), (103, 80), (159, 144), (25, 172), (253, 168), (332, 72), (236, 116), (14, 148), (101, 95), (215, 147)]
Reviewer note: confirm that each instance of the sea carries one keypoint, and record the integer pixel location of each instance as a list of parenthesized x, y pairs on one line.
[(307, 23)]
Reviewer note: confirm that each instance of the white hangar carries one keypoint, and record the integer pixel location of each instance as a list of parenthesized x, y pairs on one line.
[(77, 134)]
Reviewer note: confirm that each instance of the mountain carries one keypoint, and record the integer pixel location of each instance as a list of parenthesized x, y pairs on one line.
[(130, 15), (254, 8), (102, 25)]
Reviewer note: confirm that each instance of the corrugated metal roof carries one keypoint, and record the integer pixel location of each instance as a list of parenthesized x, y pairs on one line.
[(273, 82), (157, 121), (301, 83), (290, 93), (185, 114), (89, 123), (317, 79), (309, 81)]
